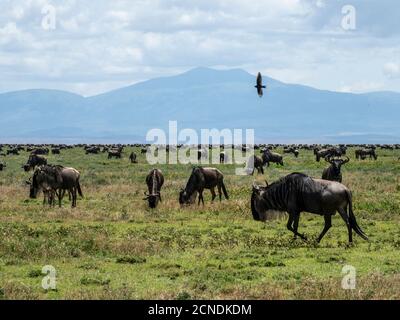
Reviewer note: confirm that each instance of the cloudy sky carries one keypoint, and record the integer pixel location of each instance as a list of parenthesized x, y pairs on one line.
[(100, 45)]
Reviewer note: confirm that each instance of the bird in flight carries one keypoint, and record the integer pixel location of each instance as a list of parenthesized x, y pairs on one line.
[(259, 85)]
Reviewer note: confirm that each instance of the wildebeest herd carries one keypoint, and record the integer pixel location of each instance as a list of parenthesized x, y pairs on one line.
[(294, 193)]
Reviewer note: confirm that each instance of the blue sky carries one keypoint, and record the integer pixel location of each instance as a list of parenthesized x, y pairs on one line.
[(101, 45)]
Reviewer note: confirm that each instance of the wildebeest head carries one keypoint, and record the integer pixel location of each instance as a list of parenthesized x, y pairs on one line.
[(337, 163), (33, 186), (256, 203), (152, 199), (183, 197)]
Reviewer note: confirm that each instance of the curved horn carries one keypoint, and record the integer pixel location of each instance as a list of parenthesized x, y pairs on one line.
[(328, 159), (346, 160), (256, 187)]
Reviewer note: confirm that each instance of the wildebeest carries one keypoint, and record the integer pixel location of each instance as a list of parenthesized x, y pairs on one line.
[(298, 192), (361, 154), (223, 157), (2, 166), (200, 179), (13, 151), (154, 181), (253, 163), (132, 157), (323, 153), (202, 154), (292, 150), (114, 153), (333, 172), (33, 161), (40, 151), (55, 151), (92, 150), (55, 180), (273, 157)]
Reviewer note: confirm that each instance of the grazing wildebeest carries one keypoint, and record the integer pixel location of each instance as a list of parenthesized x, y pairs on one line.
[(55, 151), (114, 153), (132, 157), (361, 154), (292, 150), (323, 153), (298, 192), (333, 172), (33, 161), (55, 180), (253, 163), (92, 150), (2, 166), (273, 157), (154, 181), (40, 151), (200, 179)]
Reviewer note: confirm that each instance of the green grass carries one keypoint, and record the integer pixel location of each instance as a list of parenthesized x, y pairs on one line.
[(113, 247)]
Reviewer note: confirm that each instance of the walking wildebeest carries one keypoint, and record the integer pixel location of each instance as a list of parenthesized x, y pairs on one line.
[(333, 172), (132, 157), (253, 163), (200, 179), (273, 157), (33, 161), (298, 192), (154, 181), (55, 180)]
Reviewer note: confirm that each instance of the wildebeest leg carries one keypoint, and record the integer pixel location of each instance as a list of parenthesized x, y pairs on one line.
[(262, 170), (213, 195), (294, 219), (73, 192), (328, 224), (345, 217), (219, 192), (200, 197)]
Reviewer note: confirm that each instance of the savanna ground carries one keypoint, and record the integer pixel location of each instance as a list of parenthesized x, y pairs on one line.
[(112, 247)]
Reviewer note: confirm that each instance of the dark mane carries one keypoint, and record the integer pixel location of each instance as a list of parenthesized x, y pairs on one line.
[(278, 192)]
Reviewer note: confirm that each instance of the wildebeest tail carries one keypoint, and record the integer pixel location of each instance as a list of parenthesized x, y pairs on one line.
[(352, 219), (78, 187), (224, 190)]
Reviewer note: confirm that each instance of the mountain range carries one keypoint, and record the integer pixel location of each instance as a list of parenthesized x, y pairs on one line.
[(201, 98)]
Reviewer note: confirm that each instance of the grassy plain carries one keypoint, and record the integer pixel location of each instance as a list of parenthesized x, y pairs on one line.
[(112, 247)]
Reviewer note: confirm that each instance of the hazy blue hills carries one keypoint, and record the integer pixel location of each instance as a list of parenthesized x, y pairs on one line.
[(202, 98)]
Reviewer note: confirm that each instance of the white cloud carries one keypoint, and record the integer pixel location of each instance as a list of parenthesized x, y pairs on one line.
[(125, 41), (392, 69)]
